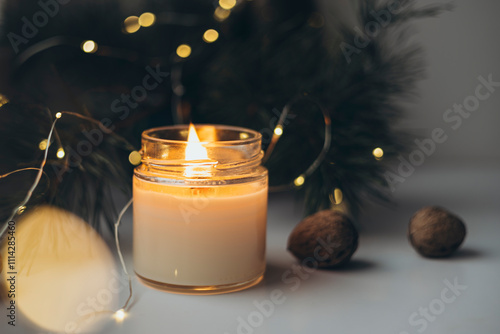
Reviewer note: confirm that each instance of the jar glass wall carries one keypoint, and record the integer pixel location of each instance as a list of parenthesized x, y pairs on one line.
[(200, 224)]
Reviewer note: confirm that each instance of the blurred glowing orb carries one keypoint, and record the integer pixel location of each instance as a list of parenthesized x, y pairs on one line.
[(134, 158), (299, 181), (119, 315), (183, 51), (210, 36), (131, 24), (43, 145), (378, 153), (66, 280), (147, 19), (338, 196), (89, 46), (221, 14), (3, 100), (60, 153), (227, 4), (278, 131)]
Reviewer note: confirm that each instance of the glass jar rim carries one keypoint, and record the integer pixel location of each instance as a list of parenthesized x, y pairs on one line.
[(254, 136)]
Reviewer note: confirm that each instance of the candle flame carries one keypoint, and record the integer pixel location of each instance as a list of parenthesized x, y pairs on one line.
[(194, 149)]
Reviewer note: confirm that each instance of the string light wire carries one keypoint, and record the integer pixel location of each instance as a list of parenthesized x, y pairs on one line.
[(299, 181), (118, 249), (21, 170), (35, 183), (22, 205)]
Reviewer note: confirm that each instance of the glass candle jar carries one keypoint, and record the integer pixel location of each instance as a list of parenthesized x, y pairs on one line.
[(200, 209)]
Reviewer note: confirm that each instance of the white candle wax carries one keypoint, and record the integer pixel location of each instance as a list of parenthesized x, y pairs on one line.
[(211, 235)]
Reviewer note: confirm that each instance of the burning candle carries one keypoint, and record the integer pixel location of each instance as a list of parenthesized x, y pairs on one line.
[(200, 207)]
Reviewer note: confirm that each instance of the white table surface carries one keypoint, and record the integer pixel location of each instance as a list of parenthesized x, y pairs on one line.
[(386, 283)]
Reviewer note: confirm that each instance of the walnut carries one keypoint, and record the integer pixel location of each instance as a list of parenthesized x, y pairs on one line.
[(328, 237), (435, 232)]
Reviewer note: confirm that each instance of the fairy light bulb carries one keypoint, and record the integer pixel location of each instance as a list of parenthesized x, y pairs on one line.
[(299, 181), (278, 131), (42, 145), (21, 209), (60, 153), (89, 46), (378, 153), (120, 315)]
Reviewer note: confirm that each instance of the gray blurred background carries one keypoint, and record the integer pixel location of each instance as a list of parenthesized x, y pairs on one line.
[(459, 46)]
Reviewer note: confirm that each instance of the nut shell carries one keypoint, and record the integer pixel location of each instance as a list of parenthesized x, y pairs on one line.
[(328, 237), (435, 232)]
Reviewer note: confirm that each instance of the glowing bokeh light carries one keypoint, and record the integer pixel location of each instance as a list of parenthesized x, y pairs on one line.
[(131, 24), (183, 51), (147, 19), (221, 14), (227, 4), (210, 36), (134, 158), (89, 46), (119, 315), (278, 131), (378, 153), (21, 209), (60, 153), (3, 100), (56, 253), (338, 196), (43, 145), (299, 181)]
